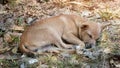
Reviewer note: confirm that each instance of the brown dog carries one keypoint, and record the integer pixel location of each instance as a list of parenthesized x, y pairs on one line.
[(71, 28)]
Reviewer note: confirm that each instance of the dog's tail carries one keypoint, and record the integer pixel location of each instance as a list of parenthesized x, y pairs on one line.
[(25, 50)]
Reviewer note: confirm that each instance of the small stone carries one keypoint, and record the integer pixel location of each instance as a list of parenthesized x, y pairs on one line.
[(77, 47), (22, 65), (32, 61), (78, 50), (86, 13), (89, 54), (29, 20)]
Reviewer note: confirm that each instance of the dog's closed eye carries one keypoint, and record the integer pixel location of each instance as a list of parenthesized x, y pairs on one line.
[(90, 35)]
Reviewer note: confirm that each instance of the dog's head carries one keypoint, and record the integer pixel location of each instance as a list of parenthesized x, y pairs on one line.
[(89, 32)]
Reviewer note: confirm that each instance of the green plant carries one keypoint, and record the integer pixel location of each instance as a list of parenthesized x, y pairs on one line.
[(105, 14), (15, 39), (20, 21), (108, 14)]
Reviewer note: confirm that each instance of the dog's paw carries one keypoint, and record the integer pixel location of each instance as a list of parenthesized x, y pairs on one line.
[(82, 45)]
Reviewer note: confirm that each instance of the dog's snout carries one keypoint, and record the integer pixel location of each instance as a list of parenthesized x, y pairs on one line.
[(88, 45)]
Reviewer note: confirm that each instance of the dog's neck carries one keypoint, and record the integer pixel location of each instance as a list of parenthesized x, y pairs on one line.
[(78, 25)]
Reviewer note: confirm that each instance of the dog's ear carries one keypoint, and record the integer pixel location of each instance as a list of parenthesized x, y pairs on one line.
[(84, 26), (104, 25)]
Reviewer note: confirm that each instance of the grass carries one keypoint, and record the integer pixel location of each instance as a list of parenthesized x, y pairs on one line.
[(59, 61), (4, 63), (15, 39)]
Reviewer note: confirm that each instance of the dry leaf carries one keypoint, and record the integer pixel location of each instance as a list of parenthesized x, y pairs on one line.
[(18, 28), (14, 50), (7, 37), (4, 49), (104, 36), (107, 50)]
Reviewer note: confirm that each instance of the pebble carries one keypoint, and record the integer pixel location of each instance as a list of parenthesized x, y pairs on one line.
[(32, 61), (86, 13), (29, 20)]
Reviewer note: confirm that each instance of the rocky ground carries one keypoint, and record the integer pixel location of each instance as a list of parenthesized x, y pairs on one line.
[(17, 14)]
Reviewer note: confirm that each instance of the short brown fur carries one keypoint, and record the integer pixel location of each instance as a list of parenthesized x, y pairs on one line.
[(71, 28)]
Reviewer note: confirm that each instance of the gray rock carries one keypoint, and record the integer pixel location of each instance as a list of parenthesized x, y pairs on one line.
[(22, 65), (85, 13), (29, 20), (28, 62)]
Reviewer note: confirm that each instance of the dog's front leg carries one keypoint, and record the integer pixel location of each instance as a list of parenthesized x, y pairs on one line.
[(69, 37)]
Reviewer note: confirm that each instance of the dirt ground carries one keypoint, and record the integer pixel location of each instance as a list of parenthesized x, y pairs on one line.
[(15, 15)]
